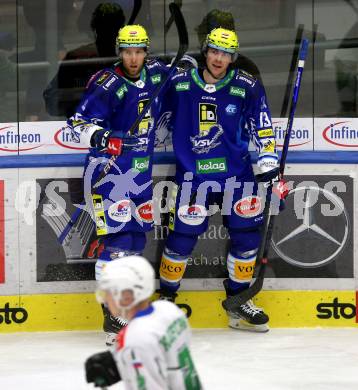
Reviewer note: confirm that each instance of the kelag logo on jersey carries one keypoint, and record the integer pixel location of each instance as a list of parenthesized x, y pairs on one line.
[(141, 164), (341, 134), (144, 124), (211, 165), (207, 117)]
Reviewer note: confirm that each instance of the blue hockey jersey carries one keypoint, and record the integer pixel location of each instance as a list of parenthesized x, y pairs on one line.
[(213, 123), (113, 102)]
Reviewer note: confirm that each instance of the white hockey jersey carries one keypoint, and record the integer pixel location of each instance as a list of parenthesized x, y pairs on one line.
[(153, 351)]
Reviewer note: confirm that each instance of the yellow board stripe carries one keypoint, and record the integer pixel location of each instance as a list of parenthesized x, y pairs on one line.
[(58, 312)]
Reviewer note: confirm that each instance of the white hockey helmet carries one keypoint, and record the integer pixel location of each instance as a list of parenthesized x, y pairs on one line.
[(133, 273)]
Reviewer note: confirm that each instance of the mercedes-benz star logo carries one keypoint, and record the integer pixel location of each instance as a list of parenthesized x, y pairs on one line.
[(319, 238)]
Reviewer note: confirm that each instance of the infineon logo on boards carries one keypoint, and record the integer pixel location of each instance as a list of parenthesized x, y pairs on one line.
[(343, 134), (301, 133), (13, 141)]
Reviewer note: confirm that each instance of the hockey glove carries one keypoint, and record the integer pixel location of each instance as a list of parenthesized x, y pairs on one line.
[(104, 141), (278, 189), (101, 370)]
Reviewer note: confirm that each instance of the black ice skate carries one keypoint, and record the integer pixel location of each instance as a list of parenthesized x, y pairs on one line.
[(111, 326), (165, 295), (247, 316)]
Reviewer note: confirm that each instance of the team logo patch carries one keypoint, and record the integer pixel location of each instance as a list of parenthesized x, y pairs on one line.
[(120, 211), (192, 215), (204, 143), (248, 207), (144, 212), (231, 109)]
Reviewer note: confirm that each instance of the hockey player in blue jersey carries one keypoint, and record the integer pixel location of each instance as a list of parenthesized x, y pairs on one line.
[(216, 111), (121, 201)]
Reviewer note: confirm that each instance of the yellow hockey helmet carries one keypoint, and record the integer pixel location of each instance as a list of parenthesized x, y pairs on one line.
[(132, 35), (222, 39)]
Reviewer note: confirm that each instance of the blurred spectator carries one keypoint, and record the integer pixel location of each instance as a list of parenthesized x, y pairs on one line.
[(63, 93)]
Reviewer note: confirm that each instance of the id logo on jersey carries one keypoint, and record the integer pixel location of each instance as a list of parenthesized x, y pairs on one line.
[(144, 124), (207, 117)]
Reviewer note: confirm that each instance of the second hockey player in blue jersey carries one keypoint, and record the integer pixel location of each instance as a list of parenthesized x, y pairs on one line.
[(216, 111)]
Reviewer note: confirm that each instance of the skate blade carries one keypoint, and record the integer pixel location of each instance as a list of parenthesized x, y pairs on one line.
[(239, 323)]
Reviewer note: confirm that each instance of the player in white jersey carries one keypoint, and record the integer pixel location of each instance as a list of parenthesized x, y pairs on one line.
[(152, 352)]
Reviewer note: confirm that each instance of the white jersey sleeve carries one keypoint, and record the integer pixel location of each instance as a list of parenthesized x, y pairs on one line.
[(153, 351)]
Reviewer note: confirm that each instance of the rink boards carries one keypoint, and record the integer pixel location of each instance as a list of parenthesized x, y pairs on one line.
[(287, 309), (309, 283)]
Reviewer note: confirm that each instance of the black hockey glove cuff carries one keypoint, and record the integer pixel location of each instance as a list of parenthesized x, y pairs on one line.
[(101, 370), (100, 139), (269, 177)]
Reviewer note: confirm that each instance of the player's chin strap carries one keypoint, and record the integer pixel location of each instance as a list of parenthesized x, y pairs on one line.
[(216, 78), (232, 302)]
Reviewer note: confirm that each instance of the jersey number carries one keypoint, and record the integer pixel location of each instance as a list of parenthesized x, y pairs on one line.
[(264, 120)]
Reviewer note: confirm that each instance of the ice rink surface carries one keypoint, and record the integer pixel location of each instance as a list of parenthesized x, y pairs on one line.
[(282, 359)]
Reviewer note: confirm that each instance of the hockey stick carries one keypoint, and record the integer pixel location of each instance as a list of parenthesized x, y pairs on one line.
[(289, 83), (183, 46), (234, 301), (136, 8), (169, 23)]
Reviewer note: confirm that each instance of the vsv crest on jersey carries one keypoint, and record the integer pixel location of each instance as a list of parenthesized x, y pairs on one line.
[(210, 140), (142, 145)]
